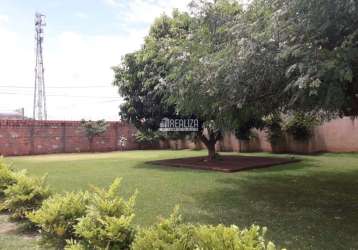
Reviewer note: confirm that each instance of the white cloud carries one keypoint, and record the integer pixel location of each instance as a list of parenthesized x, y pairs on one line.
[(145, 11)]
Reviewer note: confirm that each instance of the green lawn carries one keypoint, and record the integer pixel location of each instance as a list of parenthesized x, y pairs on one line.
[(312, 204)]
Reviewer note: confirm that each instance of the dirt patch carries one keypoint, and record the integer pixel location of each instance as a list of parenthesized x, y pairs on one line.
[(227, 164), (11, 228), (8, 228)]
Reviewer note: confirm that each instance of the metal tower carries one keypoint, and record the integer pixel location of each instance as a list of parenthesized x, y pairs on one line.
[(39, 110)]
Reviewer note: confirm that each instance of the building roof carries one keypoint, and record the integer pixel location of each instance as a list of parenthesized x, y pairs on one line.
[(11, 116)]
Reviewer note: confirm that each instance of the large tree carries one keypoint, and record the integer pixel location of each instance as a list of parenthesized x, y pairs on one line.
[(195, 86), (226, 72), (229, 66), (151, 82)]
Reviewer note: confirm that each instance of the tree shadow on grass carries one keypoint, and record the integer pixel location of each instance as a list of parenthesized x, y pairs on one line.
[(318, 210)]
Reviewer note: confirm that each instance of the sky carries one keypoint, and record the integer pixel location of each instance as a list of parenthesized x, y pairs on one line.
[(83, 40)]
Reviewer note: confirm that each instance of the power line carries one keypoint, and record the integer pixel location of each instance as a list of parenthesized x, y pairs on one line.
[(70, 96), (54, 87)]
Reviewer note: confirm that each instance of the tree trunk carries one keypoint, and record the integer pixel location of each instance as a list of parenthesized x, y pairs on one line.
[(211, 150), (90, 140), (210, 142)]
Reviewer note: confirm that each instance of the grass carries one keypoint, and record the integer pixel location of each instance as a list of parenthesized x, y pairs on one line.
[(312, 204)]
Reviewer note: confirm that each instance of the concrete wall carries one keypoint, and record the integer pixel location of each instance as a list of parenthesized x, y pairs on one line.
[(27, 137)]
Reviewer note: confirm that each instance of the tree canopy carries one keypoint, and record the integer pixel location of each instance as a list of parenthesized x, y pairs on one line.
[(93, 129), (141, 78), (231, 65)]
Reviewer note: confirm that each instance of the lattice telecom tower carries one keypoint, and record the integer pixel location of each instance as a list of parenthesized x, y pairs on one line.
[(39, 110)]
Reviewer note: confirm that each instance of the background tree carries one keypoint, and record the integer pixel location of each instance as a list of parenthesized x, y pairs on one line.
[(141, 77), (293, 56), (319, 47), (93, 129)]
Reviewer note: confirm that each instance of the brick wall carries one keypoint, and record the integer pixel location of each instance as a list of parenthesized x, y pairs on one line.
[(27, 137)]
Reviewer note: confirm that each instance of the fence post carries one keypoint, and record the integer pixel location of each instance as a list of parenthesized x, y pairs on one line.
[(63, 137)]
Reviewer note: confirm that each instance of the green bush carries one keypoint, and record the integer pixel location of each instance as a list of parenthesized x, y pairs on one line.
[(300, 126), (274, 128), (7, 178), (108, 220), (147, 137), (58, 216), (222, 237), (75, 245), (244, 129), (173, 234), (26, 195), (169, 233)]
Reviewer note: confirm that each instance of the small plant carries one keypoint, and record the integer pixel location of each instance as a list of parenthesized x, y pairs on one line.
[(75, 245), (58, 216), (7, 178), (26, 195), (243, 131), (173, 234), (108, 220), (147, 138), (300, 126), (169, 233), (223, 237), (93, 129), (123, 142)]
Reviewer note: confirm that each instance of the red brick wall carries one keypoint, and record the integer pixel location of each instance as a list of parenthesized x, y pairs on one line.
[(26, 137)]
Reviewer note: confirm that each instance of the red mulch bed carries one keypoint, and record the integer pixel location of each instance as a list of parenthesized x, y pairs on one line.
[(227, 164)]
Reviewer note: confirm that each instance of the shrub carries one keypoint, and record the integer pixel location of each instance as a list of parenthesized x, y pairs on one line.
[(7, 178), (300, 126), (147, 137), (58, 216), (108, 220), (222, 237), (26, 195), (169, 233), (75, 245), (93, 129), (173, 234), (274, 128), (244, 129)]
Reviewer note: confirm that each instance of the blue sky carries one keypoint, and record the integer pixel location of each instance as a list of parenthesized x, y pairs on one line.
[(83, 39)]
